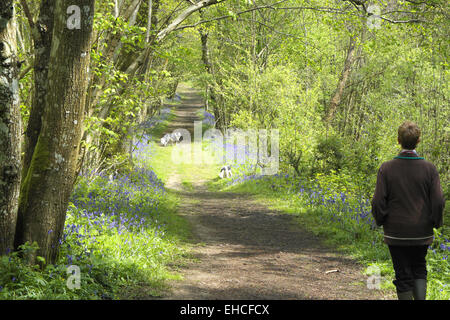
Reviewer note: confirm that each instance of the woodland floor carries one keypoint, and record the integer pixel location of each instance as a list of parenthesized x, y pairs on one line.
[(244, 250)]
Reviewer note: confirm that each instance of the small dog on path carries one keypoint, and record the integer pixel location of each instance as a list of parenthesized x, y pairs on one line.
[(225, 172), (174, 137)]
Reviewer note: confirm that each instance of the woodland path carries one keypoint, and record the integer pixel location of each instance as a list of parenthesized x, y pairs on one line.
[(244, 250)]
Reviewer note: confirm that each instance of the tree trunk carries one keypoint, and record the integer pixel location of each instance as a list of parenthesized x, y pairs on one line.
[(210, 92), (149, 21), (10, 127), (48, 184), (336, 99), (42, 47), (173, 88), (183, 16)]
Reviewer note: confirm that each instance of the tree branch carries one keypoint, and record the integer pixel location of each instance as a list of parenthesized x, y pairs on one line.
[(184, 15), (24, 72), (26, 10), (269, 6), (34, 31), (403, 21), (149, 21), (271, 28)]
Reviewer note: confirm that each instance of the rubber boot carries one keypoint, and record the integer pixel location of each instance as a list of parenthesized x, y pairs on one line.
[(420, 289), (408, 295)]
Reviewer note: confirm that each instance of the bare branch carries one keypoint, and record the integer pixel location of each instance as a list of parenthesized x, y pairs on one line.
[(403, 21), (131, 9), (321, 9), (269, 6), (184, 15), (418, 2), (27, 12), (149, 21), (25, 71), (116, 9), (166, 19), (280, 32)]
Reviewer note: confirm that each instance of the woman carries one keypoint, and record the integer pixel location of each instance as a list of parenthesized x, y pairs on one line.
[(408, 202)]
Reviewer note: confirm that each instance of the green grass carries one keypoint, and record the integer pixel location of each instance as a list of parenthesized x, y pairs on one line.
[(189, 173), (187, 185), (159, 129)]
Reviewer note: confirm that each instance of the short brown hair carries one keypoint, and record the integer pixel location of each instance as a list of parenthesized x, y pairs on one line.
[(408, 135)]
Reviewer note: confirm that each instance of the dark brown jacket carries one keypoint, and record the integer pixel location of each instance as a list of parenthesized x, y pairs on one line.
[(408, 200)]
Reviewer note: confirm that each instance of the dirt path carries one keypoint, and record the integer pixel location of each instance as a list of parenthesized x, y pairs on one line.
[(186, 113), (246, 251)]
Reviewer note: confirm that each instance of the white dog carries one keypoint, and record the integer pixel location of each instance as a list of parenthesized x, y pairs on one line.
[(165, 140), (225, 172), (174, 137)]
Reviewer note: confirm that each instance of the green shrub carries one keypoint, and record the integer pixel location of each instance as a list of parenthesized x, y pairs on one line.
[(329, 155)]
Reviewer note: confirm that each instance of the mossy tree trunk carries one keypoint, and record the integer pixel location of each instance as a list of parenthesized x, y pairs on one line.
[(49, 181), (10, 127), (42, 32)]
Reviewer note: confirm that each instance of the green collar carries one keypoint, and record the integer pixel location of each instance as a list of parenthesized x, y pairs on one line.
[(410, 158)]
